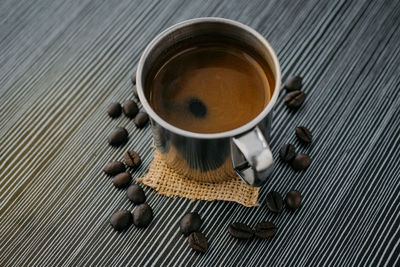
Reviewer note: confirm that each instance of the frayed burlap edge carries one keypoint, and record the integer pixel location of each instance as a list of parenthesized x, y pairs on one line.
[(167, 182)]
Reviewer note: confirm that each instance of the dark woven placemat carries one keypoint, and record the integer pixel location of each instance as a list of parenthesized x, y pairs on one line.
[(63, 62)]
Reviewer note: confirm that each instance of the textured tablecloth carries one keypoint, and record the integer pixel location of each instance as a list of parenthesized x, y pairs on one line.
[(63, 62)]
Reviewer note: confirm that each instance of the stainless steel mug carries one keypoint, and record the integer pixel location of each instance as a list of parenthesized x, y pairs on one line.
[(216, 156)]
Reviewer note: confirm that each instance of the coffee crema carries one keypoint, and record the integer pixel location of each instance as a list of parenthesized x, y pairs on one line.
[(210, 88)]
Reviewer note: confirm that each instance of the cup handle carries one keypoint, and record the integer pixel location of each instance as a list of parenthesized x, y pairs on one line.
[(252, 158)]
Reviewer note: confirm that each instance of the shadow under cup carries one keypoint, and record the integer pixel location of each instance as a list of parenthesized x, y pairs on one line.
[(204, 157)]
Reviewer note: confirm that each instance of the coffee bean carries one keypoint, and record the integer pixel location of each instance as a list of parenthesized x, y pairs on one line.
[(304, 134), (114, 167), (294, 83), (130, 108), (132, 159), (301, 162), (240, 230), (190, 223), (295, 99), (121, 220), (114, 110), (135, 92), (274, 202), (141, 119), (287, 152), (142, 215), (197, 108), (293, 199), (136, 194), (118, 137), (198, 242), (133, 78), (122, 180), (265, 229)]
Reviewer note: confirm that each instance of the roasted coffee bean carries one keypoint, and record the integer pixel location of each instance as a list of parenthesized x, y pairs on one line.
[(118, 137), (121, 220), (304, 134), (141, 119), (130, 108), (265, 229), (197, 108), (293, 200), (287, 152), (294, 83), (114, 167), (190, 223), (132, 159), (133, 79), (295, 99), (135, 92), (142, 215), (114, 110), (136, 194), (122, 180), (198, 242), (240, 230), (274, 202), (301, 162)]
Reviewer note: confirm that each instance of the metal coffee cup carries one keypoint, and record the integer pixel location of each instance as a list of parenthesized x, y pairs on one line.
[(213, 157)]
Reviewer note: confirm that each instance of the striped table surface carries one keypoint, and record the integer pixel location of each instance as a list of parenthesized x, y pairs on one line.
[(63, 62)]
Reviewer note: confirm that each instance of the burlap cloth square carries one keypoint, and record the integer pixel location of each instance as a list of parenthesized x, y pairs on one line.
[(168, 182)]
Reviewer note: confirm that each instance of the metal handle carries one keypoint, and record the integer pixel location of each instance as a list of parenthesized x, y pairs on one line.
[(252, 158)]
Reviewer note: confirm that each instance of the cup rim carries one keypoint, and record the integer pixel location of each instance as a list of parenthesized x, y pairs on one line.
[(234, 132)]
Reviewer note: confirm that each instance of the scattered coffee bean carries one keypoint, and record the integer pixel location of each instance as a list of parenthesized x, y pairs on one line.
[(130, 108), (135, 94), (133, 78), (265, 229), (287, 152), (293, 199), (118, 136), (295, 99), (294, 83), (274, 202), (122, 180), (114, 110), (132, 159), (121, 220), (142, 215), (190, 223), (114, 167), (198, 242), (136, 194), (304, 134), (141, 119), (301, 162), (240, 230), (197, 108)]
